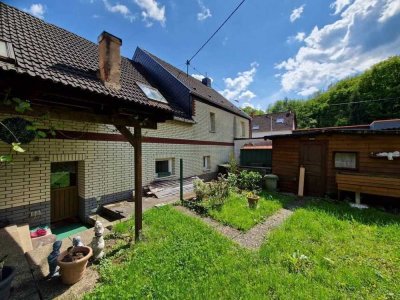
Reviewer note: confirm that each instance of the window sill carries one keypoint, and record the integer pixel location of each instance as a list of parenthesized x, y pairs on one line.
[(206, 170), (212, 131)]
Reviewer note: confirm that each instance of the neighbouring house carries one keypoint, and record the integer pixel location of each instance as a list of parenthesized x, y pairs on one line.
[(273, 124), (99, 104), (360, 159)]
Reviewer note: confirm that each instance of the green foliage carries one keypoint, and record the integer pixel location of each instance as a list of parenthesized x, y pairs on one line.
[(212, 194), (249, 180), (372, 95), (17, 147), (236, 212), (233, 163), (298, 263), (352, 254), (253, 111)]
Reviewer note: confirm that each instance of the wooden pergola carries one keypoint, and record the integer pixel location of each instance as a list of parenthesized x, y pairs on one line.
[(58, 101)]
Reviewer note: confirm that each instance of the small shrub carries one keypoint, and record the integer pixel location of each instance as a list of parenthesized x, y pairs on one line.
[(233, 181), (201, 189), (249, 181), (298, 263), (233, 164), (212, 194)]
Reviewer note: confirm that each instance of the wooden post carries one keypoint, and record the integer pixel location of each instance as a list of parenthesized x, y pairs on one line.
[(301, 181), (136, 141), (358, 198), (181, 178), (138, 181)]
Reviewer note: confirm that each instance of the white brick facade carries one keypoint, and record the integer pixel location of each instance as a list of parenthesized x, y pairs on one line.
[(107, 167)]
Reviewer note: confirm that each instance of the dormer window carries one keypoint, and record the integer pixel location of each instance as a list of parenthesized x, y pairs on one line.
[(6, 51), (151, 93)]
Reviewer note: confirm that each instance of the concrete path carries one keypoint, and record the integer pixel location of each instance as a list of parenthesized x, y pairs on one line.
[(253, 238)]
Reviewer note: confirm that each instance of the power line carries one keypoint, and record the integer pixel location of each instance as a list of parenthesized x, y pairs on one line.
[(364, 101), (209, 39)]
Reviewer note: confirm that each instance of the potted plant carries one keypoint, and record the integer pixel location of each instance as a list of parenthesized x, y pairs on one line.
[(6, 277), (252, 199), (73, 263)]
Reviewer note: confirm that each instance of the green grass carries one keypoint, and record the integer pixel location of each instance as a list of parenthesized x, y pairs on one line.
[(236, 212), (351, 254)]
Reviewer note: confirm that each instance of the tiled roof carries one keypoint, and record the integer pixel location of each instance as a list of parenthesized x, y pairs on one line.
[(274, 122), (198, 89), (52, 53)]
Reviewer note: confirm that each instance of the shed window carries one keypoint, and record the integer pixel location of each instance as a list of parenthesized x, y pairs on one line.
[(164, 168), (206, 162), (212, 122), (280, 120), (345, 160), (256, 127)]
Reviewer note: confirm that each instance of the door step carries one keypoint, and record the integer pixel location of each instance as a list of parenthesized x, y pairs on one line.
[(93, 218)]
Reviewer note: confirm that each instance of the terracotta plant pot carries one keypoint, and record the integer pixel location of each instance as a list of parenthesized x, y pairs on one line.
[(5, 283), (72, 272), (253, 201)]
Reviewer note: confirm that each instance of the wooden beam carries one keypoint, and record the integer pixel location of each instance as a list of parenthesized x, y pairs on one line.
[(136, 141), (81, 116)]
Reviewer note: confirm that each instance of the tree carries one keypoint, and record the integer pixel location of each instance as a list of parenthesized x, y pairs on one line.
[(253, 111)]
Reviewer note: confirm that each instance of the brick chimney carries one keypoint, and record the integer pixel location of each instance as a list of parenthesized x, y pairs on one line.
[(110, 60), (206, 81)]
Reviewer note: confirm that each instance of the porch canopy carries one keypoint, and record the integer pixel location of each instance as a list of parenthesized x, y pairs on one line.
[(60, 74)]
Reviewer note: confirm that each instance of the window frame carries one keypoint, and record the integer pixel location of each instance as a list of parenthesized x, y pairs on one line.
[(143, 88), (170, 167), (346, 168), (213, 121), (242, 129), (206, 162)]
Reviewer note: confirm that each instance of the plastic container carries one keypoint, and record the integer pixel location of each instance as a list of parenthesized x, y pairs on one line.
[(271, 182)]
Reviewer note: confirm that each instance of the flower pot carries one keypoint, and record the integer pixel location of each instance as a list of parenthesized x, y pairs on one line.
[(253, 201), (5, 284), (73, 271)]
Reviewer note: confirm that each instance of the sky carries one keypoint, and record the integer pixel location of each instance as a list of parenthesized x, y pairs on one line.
[(269, 49)]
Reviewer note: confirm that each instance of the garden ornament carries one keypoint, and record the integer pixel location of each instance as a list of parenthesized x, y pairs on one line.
[(52, 259), (76, 242), (98, 241)]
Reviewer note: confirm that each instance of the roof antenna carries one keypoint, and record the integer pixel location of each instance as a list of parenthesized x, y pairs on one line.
[(187, 67)]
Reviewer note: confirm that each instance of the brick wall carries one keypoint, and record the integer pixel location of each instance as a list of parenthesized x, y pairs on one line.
[(106, 168)]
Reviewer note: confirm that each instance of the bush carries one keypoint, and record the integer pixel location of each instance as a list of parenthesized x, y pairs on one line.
[(249, 181), (212, 194), (233, 181)]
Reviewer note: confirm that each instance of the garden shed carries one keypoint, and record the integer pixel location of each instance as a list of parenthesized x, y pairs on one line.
[(361, 159)]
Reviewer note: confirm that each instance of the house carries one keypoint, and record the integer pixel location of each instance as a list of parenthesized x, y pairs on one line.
[(98, 104), (273, 123), (360, 159)]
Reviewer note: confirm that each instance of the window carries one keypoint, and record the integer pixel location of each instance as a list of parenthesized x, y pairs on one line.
[(243, 129), (280, 120), (256, 127), (345, 160), (63, 175), (6, 51), (164, 167), (151, 92), (212, 122), (206, 162)]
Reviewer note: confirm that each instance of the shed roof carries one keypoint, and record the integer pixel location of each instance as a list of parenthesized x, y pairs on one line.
[(45, 51)]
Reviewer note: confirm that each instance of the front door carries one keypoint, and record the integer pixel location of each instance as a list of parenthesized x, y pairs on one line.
[(313, 159), (64, 191)]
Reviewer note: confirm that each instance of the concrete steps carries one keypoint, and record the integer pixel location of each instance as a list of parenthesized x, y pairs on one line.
[(93, 218), (25, 237)]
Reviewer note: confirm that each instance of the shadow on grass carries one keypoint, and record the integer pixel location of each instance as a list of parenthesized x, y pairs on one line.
[(343, 211)]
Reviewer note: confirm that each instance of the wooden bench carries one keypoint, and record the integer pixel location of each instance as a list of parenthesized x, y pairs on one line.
[(374, 184)]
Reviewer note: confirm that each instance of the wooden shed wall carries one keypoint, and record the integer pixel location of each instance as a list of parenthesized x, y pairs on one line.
[(286, 157)]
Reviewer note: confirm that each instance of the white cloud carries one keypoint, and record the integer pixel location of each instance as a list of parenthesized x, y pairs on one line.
[(339, 5), (119, 9), (237, 88), (247, 104), (205, 12), (296, 13), (299, 37), (38, 10), (152, 11), (391, 9), (348, 46)]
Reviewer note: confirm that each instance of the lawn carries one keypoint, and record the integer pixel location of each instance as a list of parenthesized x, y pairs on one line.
[(236, 212), (340, 253)]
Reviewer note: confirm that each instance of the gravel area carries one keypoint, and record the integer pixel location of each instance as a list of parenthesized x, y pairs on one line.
[(253, 238)]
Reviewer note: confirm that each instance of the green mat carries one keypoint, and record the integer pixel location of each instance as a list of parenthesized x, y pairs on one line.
[(63, 232)]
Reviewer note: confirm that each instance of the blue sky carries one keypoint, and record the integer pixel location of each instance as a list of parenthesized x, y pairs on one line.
[(269, 49)]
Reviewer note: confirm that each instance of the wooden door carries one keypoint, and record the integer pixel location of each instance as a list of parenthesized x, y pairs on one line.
[(64, 203), (313, 158), (64, 191)]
